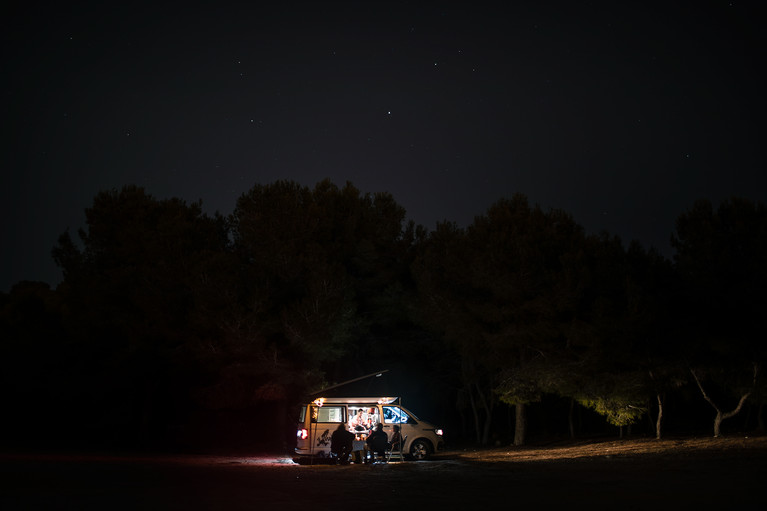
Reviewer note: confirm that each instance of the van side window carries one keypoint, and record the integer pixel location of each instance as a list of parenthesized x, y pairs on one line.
[(328, 414), (396, 415)]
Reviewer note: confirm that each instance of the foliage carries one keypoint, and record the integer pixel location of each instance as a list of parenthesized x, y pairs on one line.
[(317, 266), (616, 409), (720, 256), (619, 397), (168, 317), (137, 293), (502, 293)]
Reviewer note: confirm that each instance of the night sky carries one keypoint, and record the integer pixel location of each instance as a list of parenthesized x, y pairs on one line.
[(620, 113)]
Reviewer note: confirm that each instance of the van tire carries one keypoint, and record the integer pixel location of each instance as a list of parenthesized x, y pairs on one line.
[(420, 449)]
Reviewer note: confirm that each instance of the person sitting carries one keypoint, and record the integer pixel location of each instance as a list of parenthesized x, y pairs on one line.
[(357, 423), (396, 439), (341, 442), (378, 442)]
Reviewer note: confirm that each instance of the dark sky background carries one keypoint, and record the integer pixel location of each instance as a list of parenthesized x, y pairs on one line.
[(620, 113)]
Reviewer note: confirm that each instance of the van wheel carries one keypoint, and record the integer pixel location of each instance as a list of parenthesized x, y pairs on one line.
[(420, 450)]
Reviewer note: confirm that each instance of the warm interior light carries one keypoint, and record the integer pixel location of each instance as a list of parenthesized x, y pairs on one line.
[(386, 400)]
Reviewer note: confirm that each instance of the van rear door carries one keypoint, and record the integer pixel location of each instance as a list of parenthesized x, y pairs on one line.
[(324, 420)]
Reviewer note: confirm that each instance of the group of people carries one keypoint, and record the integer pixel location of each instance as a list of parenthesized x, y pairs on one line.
[(376, 443), (362, 422)]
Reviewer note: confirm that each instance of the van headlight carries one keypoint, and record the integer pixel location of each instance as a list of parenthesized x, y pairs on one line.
[(438, 431)]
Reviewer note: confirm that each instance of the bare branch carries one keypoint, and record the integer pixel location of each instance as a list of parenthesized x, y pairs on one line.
[(705, 396)]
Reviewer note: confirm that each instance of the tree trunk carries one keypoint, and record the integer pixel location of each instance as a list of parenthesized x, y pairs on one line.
[(487, 405), (486, 431), (488, 424), (570, 422), (519, 427), (475, 413), (283, 421), (658, 421), (463, 422), (147, 409), (718, 423), (650, 418), (720, 416)]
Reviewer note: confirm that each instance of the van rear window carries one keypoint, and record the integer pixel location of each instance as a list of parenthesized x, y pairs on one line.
[(328, 414)]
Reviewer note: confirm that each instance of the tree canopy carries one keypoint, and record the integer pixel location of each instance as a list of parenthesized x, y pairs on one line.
[(171, 323)]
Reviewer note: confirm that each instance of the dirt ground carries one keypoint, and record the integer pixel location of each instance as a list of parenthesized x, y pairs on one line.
[(675, 473)]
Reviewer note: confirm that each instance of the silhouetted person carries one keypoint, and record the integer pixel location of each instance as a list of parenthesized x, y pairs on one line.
[(341, 442), (396, 438), (378, 441)]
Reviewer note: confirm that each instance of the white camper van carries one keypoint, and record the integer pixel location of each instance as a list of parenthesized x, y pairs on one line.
[(317, 421)]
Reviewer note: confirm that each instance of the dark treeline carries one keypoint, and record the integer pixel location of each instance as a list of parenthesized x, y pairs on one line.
[(174, 329)]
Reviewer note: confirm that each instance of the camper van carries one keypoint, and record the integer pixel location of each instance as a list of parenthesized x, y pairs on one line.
[(317, 421)]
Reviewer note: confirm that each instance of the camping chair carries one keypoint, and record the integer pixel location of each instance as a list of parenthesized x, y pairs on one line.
[(396, 454)]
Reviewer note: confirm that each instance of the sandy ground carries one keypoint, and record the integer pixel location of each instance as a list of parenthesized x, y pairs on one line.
[(681, 473)]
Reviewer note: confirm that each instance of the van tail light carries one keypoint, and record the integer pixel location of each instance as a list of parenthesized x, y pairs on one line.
[(438, 431), (302, 434)]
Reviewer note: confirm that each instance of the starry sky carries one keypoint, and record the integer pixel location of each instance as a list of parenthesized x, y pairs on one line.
[(620, 113)]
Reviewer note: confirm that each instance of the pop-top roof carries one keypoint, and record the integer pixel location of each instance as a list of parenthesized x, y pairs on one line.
[(360, 400)]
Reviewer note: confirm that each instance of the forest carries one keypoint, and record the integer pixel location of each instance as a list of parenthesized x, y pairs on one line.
[(173, 329)]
